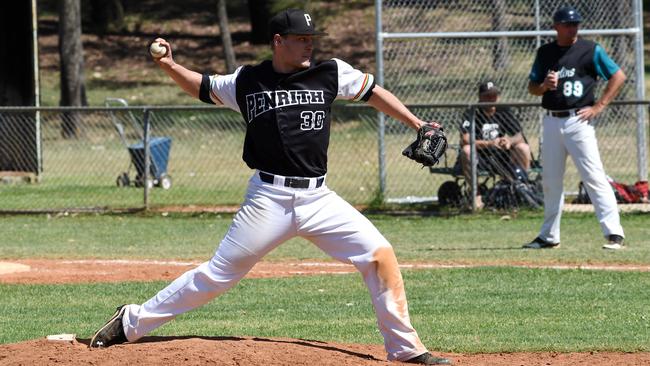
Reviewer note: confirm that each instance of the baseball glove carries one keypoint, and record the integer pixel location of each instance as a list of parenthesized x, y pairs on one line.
[(429, 146)]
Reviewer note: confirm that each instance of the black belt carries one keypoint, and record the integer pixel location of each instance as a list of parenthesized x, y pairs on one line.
[(562, 114), (292, 182)]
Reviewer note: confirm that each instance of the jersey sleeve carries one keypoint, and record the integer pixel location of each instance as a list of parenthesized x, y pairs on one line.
[(536, 73), (353, 84), (223, 90), (465, 123), (605, 66)]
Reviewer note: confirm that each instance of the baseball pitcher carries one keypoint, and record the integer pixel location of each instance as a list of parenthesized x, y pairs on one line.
[(285, 104)]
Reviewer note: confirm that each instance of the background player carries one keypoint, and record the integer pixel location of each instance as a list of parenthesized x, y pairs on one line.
[(565, 73), (499, 138), (285, 103)]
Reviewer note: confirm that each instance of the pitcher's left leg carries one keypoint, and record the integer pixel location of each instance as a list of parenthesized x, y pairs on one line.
[(344, 233), (583, 148), (384, 281)]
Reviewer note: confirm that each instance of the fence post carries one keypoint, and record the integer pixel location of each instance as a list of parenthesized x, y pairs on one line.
[(472, 156), (381, 119), (642, 150), (147, 159)]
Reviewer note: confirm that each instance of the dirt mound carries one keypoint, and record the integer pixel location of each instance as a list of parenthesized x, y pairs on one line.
[(193, 351), (268, 351)]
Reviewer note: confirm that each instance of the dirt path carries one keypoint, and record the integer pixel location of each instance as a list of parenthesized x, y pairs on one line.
[(54, 271)]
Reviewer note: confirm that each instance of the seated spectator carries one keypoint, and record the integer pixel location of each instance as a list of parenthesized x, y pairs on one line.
[(500, 143)]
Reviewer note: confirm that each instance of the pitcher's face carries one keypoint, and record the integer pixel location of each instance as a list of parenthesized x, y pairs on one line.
[(294, 50)]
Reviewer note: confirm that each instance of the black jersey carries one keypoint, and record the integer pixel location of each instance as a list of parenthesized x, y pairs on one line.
[(288, 115), (487, 127), (578, 66)]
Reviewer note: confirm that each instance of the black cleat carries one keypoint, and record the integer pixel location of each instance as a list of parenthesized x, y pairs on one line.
[(614, 242), (428, 359), (539, 243), (111, 333)]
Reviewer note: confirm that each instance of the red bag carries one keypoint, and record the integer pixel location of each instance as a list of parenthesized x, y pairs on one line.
[(625, 193), (642, 187)]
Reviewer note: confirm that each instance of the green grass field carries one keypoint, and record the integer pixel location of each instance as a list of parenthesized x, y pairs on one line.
[(484, 238), (469, 310)]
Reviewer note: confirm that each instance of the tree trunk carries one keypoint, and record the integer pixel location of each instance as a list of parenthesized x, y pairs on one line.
[(73, 92), (107, 15), (18, 137), (16, 54), (228, 51), (260, 14)]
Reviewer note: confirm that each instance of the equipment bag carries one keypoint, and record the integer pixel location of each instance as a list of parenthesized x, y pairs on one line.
[(624, 193)]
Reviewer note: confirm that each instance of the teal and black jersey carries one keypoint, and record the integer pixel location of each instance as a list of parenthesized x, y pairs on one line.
[(578, 66)]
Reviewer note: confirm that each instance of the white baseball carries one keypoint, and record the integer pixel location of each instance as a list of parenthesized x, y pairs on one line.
[(157, 50)]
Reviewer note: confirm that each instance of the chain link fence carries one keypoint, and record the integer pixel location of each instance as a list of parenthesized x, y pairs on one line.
[(437, 52), (83, 155)]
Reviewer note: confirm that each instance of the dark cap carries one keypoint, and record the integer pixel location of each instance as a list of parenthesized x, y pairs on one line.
[(488, 87), (567, 14), (293, 21)]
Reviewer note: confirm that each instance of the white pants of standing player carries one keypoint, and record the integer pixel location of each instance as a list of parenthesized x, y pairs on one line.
[(270, 215), (576, 138)]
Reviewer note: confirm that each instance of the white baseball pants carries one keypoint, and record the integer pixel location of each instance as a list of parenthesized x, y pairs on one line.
[(270, 215), (576, 138)]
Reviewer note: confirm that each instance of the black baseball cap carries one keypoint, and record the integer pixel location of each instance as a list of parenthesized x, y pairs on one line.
[(488, 87), (567, 14), (293, 21)]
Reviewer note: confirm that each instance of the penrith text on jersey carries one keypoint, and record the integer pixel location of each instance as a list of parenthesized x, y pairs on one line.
[(258, 103)]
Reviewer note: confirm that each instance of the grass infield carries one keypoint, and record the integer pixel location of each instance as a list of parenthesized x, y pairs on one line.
[(475, 310), (484, 238), (471, 310)]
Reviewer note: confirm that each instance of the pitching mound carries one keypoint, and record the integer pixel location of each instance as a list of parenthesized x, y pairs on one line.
[(268, 351)]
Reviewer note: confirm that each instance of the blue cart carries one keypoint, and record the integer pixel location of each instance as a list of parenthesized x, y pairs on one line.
[(159, 148)]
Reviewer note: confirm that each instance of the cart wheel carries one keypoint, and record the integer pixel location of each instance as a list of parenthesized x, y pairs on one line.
[(123, 180), (449, 194), (166, 182), (150, 183)]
